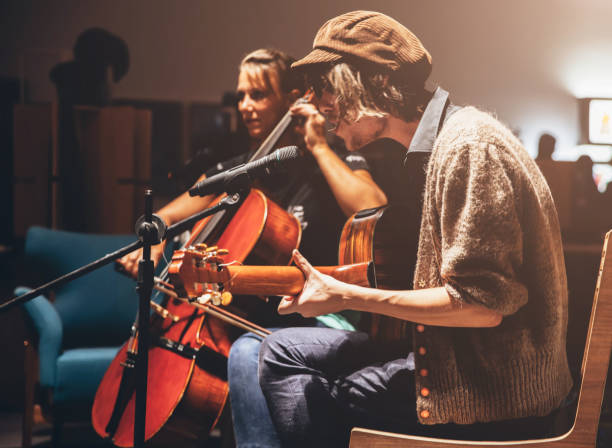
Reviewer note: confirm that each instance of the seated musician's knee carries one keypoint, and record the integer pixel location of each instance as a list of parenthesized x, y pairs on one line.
[(273, 349), (245, 348), (281, 353), (270, 358)]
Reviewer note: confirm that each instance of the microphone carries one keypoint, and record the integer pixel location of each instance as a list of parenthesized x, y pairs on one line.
[(243, 175)]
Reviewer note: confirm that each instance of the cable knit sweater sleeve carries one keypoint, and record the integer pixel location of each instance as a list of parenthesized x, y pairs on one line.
[(479, 204)]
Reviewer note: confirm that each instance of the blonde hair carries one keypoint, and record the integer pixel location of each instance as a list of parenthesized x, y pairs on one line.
[(267, 67)]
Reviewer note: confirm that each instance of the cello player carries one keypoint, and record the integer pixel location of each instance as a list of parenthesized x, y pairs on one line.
[(266, 88)]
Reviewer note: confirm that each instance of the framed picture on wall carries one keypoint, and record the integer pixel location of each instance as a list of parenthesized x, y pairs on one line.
[(600, 127)]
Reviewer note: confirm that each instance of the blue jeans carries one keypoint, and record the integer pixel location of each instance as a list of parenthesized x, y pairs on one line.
[(320, 382), (253, 427)]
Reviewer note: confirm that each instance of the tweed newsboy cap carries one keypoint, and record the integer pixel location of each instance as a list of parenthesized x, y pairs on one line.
[(371, 39)]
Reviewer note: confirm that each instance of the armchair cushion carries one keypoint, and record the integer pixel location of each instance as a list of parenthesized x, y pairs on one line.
[(96, 310), (79, 372), (48, 325)]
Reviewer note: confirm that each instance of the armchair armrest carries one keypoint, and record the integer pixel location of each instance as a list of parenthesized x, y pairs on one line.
[(48, 325)]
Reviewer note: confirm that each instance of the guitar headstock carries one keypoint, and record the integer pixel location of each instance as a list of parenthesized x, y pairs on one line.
[(198, 273)]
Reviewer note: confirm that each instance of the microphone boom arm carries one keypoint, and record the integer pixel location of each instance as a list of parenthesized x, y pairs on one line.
[(226, 203), (240, 178)]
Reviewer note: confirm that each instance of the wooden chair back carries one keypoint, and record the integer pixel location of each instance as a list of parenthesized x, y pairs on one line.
[(583, 433)]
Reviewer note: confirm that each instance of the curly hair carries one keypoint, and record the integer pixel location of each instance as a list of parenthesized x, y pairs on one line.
[(362, 93)]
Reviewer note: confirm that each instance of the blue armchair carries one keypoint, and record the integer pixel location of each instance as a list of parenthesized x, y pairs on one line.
[(81, 330)]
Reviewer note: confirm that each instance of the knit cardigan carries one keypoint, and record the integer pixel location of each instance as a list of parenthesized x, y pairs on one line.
[(490, 235)]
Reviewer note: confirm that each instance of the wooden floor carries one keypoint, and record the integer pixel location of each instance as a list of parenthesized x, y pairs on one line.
[(81, 436), (74, 435)]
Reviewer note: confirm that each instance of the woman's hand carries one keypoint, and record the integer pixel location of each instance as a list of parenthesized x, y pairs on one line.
[(322, 294), (130, 261), (353, 190), (313, 129)]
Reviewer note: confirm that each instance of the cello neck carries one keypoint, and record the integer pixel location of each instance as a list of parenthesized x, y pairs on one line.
[(268, 144)]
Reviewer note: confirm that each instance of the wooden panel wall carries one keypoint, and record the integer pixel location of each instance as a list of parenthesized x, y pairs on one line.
[(102, 192), (33, 148)]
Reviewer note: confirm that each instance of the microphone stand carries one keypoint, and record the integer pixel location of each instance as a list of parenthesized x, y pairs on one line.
[(151, 230), (148, 234)]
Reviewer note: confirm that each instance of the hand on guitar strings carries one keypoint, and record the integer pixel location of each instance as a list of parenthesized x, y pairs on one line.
[(322, 294)]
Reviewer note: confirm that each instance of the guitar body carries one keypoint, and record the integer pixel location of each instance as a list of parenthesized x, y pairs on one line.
[(187, 385), (388, 237)]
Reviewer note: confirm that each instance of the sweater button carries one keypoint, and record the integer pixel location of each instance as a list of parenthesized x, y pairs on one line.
[(420, 328), (423, 372), (424, 413), (424, 392), (422, 351)]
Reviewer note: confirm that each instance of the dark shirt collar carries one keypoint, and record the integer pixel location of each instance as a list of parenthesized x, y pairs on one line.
[(430, 123)]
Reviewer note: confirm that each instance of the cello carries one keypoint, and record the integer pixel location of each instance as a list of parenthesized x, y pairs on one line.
[(187, 384)]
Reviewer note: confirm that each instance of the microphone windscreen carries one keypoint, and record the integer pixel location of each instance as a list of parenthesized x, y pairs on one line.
[(287, 153)]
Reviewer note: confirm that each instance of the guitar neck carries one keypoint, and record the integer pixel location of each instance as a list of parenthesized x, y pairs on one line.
[(287, 280)]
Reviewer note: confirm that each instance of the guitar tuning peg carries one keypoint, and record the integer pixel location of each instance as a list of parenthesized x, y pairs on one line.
[(195, 253), (222, 252), (212, 249), (215, 298), (226, 298), (201, 247), (205, 298)]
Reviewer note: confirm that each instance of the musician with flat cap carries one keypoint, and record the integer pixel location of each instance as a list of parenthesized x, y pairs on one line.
[(483, 342)]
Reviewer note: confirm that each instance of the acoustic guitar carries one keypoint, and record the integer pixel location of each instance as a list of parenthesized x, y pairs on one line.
[(377, 249)]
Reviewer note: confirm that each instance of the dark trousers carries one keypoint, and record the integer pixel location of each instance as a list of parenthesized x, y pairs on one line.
[(320, 382)]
